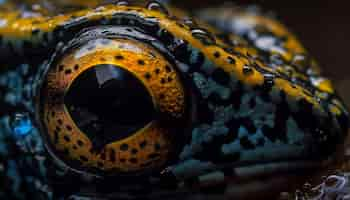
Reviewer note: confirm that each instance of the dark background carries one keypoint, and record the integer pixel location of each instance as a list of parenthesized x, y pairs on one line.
[(323, 26)]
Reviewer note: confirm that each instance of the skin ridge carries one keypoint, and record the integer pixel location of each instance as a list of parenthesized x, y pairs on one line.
[(246, 110)]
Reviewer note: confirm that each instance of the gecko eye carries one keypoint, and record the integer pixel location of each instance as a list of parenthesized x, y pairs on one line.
[(110, 106)]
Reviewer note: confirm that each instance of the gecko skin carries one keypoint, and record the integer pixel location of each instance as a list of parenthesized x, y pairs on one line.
[(138, 101)]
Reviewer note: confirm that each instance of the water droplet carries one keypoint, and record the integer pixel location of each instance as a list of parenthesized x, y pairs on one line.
[(21, 124), (190, 22), (315, 193), (154, 5), (307, 186), (331, 181), (301, 61), (277, 59), (204, 36), (122, 3), (247, 70), (269, 80), (312, 72), (100, 9)]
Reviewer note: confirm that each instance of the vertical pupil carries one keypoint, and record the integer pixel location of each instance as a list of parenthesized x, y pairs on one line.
[(108, 103)]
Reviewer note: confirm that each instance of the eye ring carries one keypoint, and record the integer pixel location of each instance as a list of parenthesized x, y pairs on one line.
[(148, 148)]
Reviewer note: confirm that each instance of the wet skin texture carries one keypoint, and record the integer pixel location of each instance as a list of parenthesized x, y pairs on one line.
[(134, 100)]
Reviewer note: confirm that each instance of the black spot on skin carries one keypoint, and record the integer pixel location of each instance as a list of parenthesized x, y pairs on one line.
[(112, 155), (80, 143), (133, 160), (157, 71), (134, 151), (247, 70), (180, 25), (58, 129), (68, 71), (141, 62), (246, 143), (69, 128), (60, 122), (161, 96), (220, 76), (103, 155), (157, 146), (66, 138), (167, 68), (143, 144), (60, 68), (148, 75), (153, 155), (163, 81), (119, 57), (217, 54), (76, 67), (83, 158), (231, 60), (124, 147)]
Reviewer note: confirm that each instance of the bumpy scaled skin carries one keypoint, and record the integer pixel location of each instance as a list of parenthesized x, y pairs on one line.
[(231, 101)]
